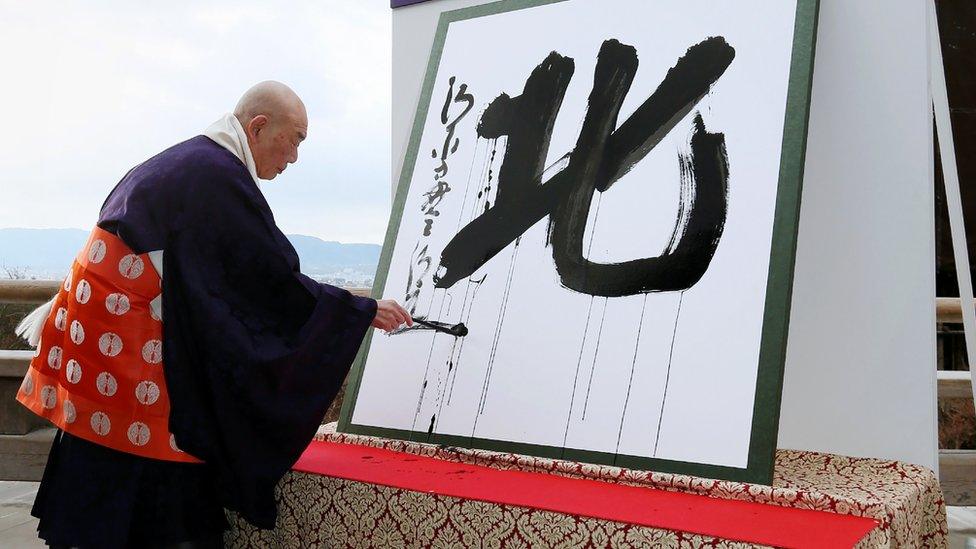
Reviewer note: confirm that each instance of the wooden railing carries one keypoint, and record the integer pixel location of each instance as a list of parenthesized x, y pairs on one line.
[(957, 468), (27, 291), (952, 383), (948, 309)]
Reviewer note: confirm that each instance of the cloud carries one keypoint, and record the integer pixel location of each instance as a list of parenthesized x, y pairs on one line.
[(94, 89)]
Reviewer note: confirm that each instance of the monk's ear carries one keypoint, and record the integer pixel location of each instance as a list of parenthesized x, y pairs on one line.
[(257, 124)]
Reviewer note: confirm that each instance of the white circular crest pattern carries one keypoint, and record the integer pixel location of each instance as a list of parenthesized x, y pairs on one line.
[(147, 392), (152, 351), (131, 266), (49, 397), (83, 291), (27, 386), (110, 344), (138, 433), (54, 357), (117, 304), (100, 423), (96, 252), (69, 411), (73, 371), (61, 319), (77, 332), (106, 384)]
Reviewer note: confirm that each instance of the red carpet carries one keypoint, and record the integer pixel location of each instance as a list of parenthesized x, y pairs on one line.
[(734, 520)]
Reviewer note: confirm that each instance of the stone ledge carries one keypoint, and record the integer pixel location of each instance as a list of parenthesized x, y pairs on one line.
[(14, 363), (22, 457)]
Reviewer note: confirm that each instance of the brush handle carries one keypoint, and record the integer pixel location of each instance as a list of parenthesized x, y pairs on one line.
[(432, 326), (443, 328)]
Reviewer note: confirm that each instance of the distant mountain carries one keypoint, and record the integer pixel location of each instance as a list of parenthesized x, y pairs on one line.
[(44, 253), (319, 254)]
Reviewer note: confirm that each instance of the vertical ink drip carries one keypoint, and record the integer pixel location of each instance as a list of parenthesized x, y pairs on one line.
[(430, 354), (596, 354), (442, 381), (449, 376), (503, 308), (630, 381), (579, 361), (589, 251), (667, 377), (467, 319), (486, 387)]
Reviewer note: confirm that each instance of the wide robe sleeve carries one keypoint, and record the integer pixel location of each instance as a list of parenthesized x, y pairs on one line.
[(254, 351)]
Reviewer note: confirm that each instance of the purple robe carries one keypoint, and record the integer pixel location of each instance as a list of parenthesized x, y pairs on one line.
[(254, 351)]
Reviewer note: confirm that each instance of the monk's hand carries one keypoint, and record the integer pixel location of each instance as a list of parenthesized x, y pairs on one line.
[(390, 315)]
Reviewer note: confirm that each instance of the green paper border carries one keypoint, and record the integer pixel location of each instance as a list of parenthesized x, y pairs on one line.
[(776, 316)]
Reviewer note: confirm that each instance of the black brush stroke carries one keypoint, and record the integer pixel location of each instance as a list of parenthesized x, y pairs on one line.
[(679, 267), (604, 155)]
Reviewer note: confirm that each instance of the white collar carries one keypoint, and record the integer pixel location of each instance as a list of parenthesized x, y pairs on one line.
[(229, 134)]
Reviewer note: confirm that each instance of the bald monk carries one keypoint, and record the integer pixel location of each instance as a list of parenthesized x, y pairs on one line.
[(187, 361)]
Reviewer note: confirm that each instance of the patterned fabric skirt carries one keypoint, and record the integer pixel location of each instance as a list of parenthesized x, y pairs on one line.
[(92, 496)]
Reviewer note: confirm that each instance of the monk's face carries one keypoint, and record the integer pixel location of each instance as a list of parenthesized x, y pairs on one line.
[(274, 140)]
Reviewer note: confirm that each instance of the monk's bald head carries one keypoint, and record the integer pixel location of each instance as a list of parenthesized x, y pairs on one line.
[(269, 98), (275, 121)]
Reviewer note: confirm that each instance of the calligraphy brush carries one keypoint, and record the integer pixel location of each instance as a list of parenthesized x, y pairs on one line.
[(456, 330)]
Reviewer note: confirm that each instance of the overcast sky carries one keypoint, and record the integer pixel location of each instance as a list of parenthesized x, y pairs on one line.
[(91, 89)]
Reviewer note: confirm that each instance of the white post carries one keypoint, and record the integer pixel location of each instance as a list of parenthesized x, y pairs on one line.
[(950, 175)]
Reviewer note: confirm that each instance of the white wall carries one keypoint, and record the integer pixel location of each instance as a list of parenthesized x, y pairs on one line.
[(860, 374), (413, 34)]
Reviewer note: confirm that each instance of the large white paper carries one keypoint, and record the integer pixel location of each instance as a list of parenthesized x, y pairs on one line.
[(669, 375)]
